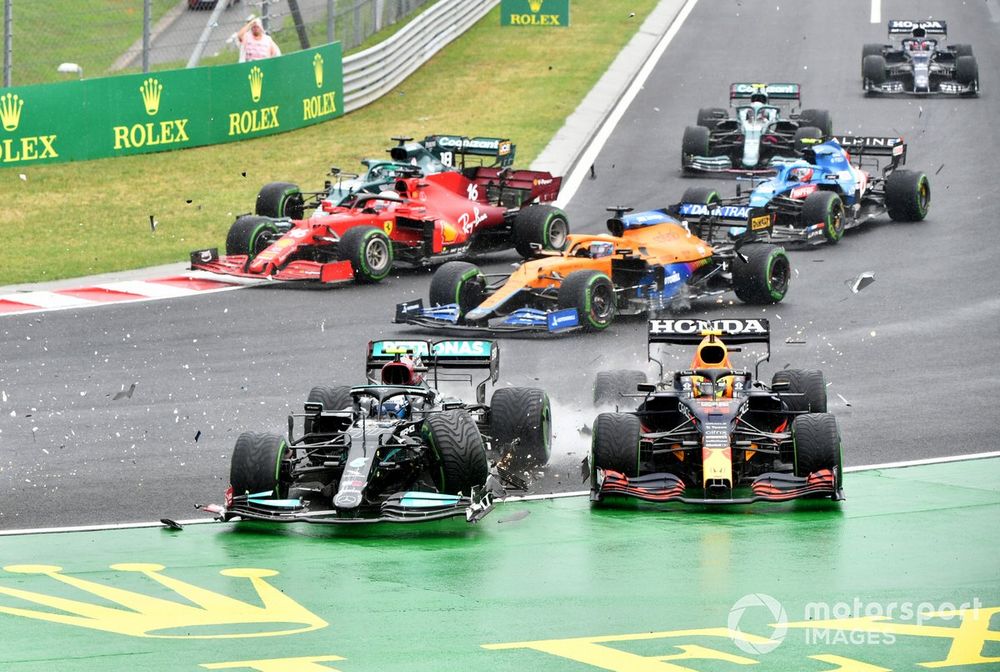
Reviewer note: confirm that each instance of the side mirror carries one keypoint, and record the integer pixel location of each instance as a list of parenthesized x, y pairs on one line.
[(646, 387)]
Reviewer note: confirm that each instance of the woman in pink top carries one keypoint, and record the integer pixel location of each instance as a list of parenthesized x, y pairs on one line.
[(255, 44)]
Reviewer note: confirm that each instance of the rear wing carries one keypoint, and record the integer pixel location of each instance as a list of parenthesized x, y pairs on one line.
[(501, 150), (438, 355), (691, 331), (776, 91), (864, 145), (899, 27), (756, 221)]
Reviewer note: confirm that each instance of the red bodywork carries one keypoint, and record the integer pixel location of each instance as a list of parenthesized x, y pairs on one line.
[(429, 218)]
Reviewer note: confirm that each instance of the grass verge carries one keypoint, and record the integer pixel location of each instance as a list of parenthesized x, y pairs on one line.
[(90, 217)]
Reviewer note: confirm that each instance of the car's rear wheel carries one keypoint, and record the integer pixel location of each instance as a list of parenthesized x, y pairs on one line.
[(609, 386), (816, 444), (615, 443), (332, 398), (250, 235), (256, 464), (458, 282), (521, 425), (818, 119), (827, 208), (370, 252), (461, 462), (763, 277), (710, 116), (542, 225), (280, 199), (593, 296), (907, 195), (807, 388), (873, 70), (806, 137)]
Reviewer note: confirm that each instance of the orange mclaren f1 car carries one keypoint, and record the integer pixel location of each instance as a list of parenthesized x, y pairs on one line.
[(650, 262), (713, 434)]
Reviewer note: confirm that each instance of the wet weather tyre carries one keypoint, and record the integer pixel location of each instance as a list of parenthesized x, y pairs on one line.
[(250, 235), (542, 225), (966, 70), (593, 296), (280, 199), (805, 137), (808, 388), (458, 447), (333, 398), (370, 252), (701, 195), (609, 386), (695, 141), (521, 425), (763, 277), (458, 282), (615, 444), (907, 195), (816, 444), (873, 70), (710, 116), (824, 207), (256, 464), (818, 119), (871, 49)]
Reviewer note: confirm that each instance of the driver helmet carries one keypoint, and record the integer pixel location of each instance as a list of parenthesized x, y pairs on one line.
[(601, 248), (401, 372), (395, 409), (800, 174)]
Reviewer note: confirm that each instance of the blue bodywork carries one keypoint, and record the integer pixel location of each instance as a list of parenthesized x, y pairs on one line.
[(830, 167)]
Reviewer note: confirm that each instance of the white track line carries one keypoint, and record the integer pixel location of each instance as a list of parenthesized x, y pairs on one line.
[(47, 300), (876, 11), (582, 168), (522, 498)]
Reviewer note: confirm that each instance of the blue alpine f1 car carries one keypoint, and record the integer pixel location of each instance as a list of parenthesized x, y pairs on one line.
[(835, 186)]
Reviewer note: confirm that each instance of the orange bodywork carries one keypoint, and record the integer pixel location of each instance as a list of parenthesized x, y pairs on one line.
[(658, 245)]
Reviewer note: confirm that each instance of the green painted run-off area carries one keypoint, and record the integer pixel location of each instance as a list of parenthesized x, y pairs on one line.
[(565, 587)]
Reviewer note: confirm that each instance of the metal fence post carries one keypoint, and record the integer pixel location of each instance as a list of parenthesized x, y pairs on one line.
[(357, 23), (264, 18), (8, 41), (147, 19), (331, 8)]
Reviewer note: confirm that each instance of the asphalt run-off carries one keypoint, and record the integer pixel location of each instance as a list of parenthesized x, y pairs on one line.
[(902, 575)]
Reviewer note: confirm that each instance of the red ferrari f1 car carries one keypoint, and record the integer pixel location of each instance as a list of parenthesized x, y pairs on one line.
[(420, 220)]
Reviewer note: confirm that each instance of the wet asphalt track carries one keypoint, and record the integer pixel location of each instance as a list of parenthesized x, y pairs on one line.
[(914, 354)]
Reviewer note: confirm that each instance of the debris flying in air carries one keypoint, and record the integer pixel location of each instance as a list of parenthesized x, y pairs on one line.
[(171, 524), (124, 394), (862, 281)]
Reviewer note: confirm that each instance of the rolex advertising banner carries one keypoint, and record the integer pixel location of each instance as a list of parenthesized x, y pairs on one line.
[(172, 109), (534, 13)]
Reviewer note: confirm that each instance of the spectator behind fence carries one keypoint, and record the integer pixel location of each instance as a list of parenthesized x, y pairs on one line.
[(255, 44)]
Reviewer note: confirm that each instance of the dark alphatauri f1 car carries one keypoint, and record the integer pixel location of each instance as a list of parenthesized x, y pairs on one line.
[(916, 62), (758, 135), (714, 434), (653, 261), (433, 154), (396, 448)]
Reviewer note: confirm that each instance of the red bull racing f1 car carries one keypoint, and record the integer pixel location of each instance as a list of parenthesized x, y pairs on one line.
[(715, 434)]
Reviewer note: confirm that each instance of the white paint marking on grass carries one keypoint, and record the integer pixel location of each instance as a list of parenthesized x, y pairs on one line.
[(516, 498), (582, 168)]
